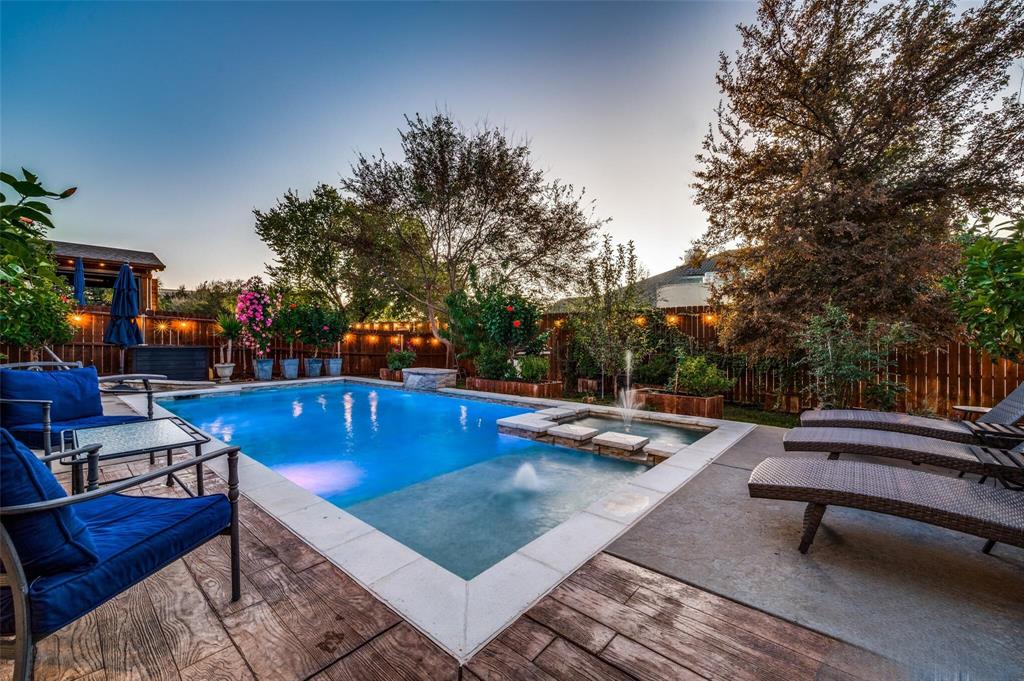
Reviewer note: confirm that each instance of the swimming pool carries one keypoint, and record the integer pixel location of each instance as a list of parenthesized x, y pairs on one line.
[(428, 470)]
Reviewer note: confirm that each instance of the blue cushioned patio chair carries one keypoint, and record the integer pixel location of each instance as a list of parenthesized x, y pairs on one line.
[(63, 556), (39, 405)]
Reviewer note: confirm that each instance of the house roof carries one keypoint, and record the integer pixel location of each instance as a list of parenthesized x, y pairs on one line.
[(649, 286), (66, 249), (677, 275)]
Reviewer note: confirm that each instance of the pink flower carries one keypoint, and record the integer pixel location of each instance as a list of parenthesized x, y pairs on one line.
[(325, 328)]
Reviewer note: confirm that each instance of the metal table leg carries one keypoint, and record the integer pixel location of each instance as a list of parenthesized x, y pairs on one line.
[(199, 471), (170, 460)]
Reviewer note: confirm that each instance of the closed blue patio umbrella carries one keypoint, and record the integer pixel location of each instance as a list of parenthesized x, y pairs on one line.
[(123, 331), (80, 281)]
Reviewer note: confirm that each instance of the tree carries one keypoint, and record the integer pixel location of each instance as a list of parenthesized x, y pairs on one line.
[(461, 199), (315, 242), (853, 139), (610, 315), (988, 292), (34, 300), (208, 299)]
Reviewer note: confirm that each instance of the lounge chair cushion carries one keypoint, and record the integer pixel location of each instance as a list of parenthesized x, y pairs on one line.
[(75, 394), (955, 431), (134, 537), (32, 433), (49, 542)]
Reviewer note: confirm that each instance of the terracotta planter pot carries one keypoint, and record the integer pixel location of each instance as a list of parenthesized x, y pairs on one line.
[(689, 405), (391, 374), (544, 389)]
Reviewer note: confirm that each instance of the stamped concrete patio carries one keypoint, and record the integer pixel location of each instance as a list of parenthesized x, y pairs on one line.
[(921, 595), (672, 603)]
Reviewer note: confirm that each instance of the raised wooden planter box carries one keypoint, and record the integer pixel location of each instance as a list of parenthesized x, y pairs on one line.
[(593, 385), (521, 388), (670, 403), (391, 374)]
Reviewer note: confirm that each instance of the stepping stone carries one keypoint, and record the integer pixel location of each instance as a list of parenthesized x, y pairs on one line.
[(663, 449), (567, 431), (623, 441), (528, 422), (557, 413)]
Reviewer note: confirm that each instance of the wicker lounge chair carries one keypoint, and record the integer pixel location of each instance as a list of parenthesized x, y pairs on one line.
[(1005, 464), (992, 513), (996, 427)]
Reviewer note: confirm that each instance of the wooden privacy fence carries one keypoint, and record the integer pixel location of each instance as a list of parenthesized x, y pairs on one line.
[(363, 349), (951, 374)]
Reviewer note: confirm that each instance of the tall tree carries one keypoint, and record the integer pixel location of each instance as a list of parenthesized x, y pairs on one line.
[(315, 241), (460, 199), (853, 139)]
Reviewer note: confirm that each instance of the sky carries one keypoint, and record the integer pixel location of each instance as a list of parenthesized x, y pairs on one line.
[(175, 120)]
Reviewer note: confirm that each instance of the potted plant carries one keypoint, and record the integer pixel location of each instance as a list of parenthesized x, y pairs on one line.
[(397, 360), (255, 309), (230, 329), (287, 325), (696, 387), (321, 327)]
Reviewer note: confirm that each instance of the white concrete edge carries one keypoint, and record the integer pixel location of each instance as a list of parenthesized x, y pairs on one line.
[(287, 501)]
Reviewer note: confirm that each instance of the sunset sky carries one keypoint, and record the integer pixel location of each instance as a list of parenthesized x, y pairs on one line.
[(176, 120)]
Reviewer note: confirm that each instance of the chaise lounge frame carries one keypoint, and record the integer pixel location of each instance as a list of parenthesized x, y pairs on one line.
[(992, 513)]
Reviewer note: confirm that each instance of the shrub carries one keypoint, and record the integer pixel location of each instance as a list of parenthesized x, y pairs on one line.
[(399, 359), (494, 363), (657, 370), (839, 355), (230, 329), (255, 308), (695, 375), (533, 368)]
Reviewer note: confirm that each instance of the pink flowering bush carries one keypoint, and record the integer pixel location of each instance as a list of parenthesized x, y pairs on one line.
[(255, 308)]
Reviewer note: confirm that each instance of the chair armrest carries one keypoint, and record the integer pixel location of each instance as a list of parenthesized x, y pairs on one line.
[(87, 450), (121, 378), (231, 452), (5, 400)]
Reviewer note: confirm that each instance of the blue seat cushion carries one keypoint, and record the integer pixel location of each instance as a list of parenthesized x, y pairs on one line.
[(75, 394), (32, 433), (134, 537), (47, 542)]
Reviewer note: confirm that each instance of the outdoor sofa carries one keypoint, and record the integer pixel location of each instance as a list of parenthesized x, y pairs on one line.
[(63, 556), (36, 406), (995, 427), (993, 513)]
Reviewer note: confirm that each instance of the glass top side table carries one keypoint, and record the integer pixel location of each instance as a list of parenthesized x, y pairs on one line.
[(132, 439)]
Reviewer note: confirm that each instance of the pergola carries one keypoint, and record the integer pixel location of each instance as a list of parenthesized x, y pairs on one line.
[(102, 264)]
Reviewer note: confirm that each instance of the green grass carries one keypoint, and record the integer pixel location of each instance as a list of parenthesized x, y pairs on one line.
[(761, 417)]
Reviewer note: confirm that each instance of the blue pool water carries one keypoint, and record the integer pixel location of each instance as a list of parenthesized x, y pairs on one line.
[(431, 471)]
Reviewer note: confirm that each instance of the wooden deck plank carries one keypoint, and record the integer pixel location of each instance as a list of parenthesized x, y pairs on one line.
[(210, 565), (324, 635), (681, 646), (498, 662), (413, 655), (132, 643), (526, 637), (71, 653), (746, 645), (224, 665), (643, 663), (584, 631), (192, 630), (567, 662), (804, 641), (356, 605), (270, 647)]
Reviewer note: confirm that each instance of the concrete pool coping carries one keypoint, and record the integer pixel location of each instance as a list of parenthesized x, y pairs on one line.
[(461, 615)]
